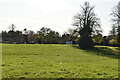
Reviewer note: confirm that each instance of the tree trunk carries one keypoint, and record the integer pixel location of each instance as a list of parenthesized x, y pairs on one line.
[(86, 42)]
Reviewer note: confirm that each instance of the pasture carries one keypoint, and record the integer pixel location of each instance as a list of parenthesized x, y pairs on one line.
[(58, 61)]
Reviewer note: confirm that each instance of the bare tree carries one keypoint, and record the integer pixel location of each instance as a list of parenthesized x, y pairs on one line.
[(116, 19), (113, 32), (87, 24), (25, 33), (12, 27)]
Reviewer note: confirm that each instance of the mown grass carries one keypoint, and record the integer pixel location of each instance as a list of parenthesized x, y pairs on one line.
[(58, 61)]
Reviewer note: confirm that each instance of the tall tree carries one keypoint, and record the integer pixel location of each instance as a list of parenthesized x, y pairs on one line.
[(87, 24), (116, 19), (43, 33), (113, 31), (25, 33)]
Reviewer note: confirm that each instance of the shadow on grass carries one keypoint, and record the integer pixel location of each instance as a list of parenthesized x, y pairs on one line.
[(101, 51)]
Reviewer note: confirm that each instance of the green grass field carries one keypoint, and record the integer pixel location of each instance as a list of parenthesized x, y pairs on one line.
[(56, 61)]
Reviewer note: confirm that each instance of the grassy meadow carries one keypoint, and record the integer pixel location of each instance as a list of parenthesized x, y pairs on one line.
[(58, 61)]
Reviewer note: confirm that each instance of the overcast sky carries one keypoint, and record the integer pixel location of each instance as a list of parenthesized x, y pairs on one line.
[(54, 14)]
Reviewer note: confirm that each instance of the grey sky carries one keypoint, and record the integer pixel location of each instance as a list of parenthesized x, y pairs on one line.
[(55, 14)]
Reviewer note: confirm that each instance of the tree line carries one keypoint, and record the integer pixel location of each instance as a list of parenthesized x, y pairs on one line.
[(43, 36), (87, 31), (47, 36)]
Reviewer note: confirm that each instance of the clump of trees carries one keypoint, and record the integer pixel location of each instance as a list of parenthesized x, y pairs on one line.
[(43, 36), (48, 36), (116, 22), (12, 36)]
